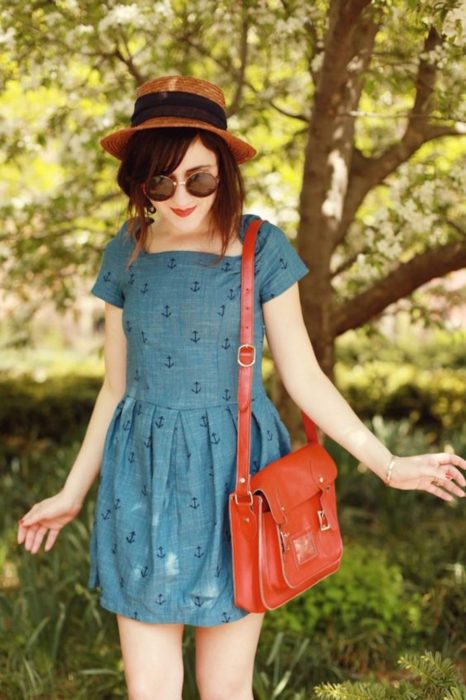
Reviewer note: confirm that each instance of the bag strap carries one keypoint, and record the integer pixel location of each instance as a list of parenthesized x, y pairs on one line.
[(246, 358)]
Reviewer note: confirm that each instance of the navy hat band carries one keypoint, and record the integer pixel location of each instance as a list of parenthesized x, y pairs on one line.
[(178, 104)]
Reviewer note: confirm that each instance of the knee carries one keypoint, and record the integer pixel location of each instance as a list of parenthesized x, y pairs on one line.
[(223, 688), (148, 689)]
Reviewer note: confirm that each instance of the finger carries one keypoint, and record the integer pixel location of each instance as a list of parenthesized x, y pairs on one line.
[(436, 491), (31, 533), (451, 479), (21, 533), (39, 536), (447, 459), (52, 536)]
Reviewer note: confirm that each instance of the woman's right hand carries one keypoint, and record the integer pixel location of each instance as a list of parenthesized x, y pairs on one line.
[(47, 516)]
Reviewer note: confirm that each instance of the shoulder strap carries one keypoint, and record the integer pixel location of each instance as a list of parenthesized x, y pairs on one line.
[(246, 358)]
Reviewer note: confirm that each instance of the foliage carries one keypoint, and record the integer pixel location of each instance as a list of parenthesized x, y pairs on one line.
[(361, 611), (431, 677), (56, 641), (70, 72)]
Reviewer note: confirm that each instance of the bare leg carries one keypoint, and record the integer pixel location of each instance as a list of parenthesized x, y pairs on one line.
[(152, 659), (225, 658)]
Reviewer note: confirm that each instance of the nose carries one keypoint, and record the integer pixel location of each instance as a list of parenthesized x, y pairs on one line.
[(181, 198)]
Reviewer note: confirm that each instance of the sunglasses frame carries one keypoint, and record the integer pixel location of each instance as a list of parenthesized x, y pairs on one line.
[(185, 183)]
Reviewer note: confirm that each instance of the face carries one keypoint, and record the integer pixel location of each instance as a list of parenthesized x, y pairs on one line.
[(184, 212)]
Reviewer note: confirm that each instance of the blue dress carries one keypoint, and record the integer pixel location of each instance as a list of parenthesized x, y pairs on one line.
[(160, 541)]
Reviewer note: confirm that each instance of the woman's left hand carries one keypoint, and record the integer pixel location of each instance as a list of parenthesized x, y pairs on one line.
[(435, 473)]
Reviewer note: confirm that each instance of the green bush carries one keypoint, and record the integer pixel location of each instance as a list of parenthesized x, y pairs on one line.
[(362, 611), (431, 677)]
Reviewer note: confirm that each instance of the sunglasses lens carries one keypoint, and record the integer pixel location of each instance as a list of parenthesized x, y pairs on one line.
[(201, 184), (160, 188)]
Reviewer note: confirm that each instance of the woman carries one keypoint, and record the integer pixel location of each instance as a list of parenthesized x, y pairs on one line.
[(164, 423)]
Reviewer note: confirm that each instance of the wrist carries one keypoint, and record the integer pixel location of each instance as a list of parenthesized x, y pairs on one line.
[(389, 470)]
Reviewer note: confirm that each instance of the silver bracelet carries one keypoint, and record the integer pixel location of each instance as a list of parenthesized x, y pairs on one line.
[(388, 475)]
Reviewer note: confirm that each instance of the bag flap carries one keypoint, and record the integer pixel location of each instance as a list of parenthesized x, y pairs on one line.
[(294, 478)]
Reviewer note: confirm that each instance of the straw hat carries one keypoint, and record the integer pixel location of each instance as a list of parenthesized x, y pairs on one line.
[(178, 100)]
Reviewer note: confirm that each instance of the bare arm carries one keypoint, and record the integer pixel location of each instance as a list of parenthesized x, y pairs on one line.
[(88, 461), (315, 394), (52, 514)]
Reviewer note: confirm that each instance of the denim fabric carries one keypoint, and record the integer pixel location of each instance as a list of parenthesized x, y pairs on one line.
[(160, 544)]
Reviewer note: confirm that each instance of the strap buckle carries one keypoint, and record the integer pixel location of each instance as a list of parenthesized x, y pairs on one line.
[(247, 347), (324, 524), (250, 502)]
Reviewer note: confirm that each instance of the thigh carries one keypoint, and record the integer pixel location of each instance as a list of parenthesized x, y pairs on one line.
[(152, 659), (225, 658)]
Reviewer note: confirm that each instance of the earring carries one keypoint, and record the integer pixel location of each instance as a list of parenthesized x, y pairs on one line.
[(150, 208)]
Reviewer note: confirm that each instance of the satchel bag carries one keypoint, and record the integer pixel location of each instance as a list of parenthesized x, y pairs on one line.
[(284, 528)]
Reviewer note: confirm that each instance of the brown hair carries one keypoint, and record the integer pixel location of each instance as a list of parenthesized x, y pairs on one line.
[(160, 151)]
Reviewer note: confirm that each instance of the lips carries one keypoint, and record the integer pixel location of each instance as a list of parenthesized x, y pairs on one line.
[(183, 212)]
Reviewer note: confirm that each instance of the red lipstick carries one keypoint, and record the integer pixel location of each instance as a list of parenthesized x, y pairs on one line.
[(183, 212)]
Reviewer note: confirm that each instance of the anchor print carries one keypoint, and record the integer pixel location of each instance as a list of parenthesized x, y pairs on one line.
[(144, 338), (166, 311), (204, 422), (137, 375), (108, 276), (135, 615), (122, 582), (144, 289), (114, 548), (231, 294), (171, 263), (129, 327), (138, 409), (195, 337), (255, 465), (195, 287), (131, 278), (144, 571), (197, 387), (160, 600), (226, 395), (199, 552), (283, 264), (106, 515), (222, 310), (198, 602), (159, 421), (225, 617), (144, 490), (132, 458), (161, 554), (211, 471), (148, 441), (131, 537), (117, 504), (214, 439), (194, 503), (226, 267), (269, 435), (217, 571), (169, 363), (226, 344), (127, 425)]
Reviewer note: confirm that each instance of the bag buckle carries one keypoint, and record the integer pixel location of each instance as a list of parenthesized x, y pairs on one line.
[(250, 502), (246, 346), (324, 524)]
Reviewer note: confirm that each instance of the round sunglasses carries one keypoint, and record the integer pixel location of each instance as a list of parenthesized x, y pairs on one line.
[(161, 187)]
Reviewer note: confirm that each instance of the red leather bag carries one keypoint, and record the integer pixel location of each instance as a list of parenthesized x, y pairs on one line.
[(284, 528)]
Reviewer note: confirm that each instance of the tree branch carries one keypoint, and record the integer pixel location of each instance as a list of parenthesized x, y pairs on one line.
[(399, 283), (366, 173), (243, 55)]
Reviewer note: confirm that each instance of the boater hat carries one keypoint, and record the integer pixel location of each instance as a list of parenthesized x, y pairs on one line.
[(178, 100)]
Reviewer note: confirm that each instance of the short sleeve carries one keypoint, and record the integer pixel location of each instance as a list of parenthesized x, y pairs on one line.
[(278, 264), (107, 285)]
